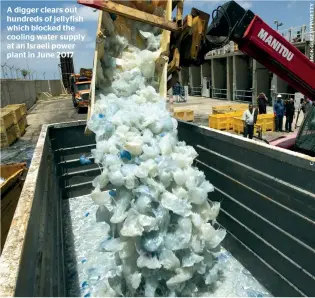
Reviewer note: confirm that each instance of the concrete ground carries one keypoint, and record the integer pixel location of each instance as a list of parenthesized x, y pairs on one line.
[(202, 107), (54, 110)]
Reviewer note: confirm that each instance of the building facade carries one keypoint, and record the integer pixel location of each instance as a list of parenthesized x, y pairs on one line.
[(231, 75)]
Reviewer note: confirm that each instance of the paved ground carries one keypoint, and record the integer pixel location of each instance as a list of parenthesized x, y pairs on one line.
[(60, 109)]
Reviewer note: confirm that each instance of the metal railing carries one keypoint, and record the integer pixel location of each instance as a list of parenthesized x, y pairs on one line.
[(195, 91), (229, 48), (296, 34), (243, 95), (219, 93), (285, 96)]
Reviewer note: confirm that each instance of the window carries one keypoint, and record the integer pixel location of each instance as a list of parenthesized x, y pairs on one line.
[(82, 87)]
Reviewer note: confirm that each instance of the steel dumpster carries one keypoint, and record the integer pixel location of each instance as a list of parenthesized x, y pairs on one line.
[(268, 209)]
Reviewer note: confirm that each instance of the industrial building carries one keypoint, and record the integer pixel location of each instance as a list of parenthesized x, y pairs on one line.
[(229, 74)]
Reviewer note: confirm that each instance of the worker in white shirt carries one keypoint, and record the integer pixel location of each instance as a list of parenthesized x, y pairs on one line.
[(249, 122)]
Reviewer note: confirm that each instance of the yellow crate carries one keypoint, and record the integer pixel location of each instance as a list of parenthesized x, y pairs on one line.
[(17, 110), (223, 121), (266, 116), (21, 126), (21, 106), (229, 108), (219, 121), (240, 106), (215, 112), (217, 109), (266, 121), (185, 115), (8, 136), (7, 119), (238, 125), (19, 118)]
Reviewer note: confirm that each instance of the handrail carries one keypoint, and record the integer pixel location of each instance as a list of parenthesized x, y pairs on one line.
[(243, 95), (219, 93)]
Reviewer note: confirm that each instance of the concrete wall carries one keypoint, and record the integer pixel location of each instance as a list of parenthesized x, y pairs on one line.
[(260, 80), (206, 78), (281, 86), (218, 77), (219, 73), (26, 91), (184, 76), (242, 78), (206, 69), (55, 87), (229, 78), (194, 76), (241, 73), (244, 73)]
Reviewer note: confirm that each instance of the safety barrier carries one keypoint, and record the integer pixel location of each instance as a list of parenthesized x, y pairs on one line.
[(184, 114), (243, 95), (223, 121), (229, 108), (265, 122), (229, 48), (219, 93)]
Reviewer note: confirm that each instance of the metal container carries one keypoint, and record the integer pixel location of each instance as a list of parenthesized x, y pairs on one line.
[(267, 197)]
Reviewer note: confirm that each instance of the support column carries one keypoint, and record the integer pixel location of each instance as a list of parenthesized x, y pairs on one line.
[(234, 77), (243, 78), (194, 76), (195, 80), (260, 80), (219, 80), (229, 77), (184, 73), (278, 86), (206, 78)]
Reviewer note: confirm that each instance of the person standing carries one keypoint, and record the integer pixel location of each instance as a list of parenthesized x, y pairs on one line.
[(262, 101), (289, 113), (306, 106), (249, 122), (278, 109), (176, 91)]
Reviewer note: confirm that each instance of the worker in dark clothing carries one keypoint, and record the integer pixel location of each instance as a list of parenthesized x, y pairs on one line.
[(262, 101), (290, 113), (306, 106), (278, 109)]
